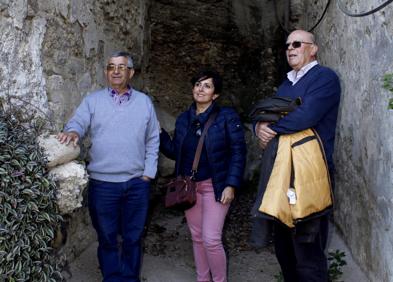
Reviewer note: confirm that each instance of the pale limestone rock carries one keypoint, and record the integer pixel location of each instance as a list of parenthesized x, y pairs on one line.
[(165, 166), (53, 7), (56, 152), (18, 12), (166, 120), (71, 179), (61, 41)]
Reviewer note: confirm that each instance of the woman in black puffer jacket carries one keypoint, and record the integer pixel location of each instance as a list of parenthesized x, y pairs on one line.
[(219, 174)]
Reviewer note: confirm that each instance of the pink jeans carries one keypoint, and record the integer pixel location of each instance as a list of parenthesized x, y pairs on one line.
[(205, 221)]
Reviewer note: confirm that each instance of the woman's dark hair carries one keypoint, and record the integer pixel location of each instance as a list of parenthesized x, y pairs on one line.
[(206, 74)]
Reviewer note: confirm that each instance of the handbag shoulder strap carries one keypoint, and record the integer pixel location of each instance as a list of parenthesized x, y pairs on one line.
[(200, 143)]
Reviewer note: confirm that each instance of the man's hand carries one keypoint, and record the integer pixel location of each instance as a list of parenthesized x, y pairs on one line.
[(264, 133), (146, 178), (227, 195), (67, 137)]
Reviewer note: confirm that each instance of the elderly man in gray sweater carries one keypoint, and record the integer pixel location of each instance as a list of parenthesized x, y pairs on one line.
[(124, 133)]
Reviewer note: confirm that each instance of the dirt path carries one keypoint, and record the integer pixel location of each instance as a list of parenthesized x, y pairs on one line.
[(168, 254)]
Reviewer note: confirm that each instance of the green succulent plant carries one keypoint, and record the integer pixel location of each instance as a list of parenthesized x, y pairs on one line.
[(28, 212), (336, 263)]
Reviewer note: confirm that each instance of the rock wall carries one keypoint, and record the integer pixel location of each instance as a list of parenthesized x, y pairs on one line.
[(256, 22), (239, 38), (189, 35), (360, 50), (52, 52)]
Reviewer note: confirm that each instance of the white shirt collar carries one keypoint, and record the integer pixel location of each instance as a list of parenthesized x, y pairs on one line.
[(295, 76)]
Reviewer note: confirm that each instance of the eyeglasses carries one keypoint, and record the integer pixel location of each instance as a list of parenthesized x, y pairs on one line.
[(296, 44), (113, 67)]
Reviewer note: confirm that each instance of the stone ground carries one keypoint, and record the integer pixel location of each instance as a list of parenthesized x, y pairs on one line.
[(168, 252)]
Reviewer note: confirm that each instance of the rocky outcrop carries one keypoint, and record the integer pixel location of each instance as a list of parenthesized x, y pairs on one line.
[(53, 52), (229, 36), (166, 167), (70, 176), (72, 179), (56, 152)]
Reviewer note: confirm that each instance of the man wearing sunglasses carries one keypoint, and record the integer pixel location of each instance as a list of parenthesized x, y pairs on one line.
[(124, 134), (301, 250)]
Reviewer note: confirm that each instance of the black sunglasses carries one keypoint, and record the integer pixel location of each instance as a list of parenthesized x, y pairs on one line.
[(296, 44)]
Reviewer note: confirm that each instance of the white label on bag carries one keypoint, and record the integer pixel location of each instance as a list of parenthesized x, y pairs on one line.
[(291, 196)]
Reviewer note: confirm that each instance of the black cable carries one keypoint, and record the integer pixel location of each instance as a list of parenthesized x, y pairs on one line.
[(323, 14), (311, 29), (348, 13)]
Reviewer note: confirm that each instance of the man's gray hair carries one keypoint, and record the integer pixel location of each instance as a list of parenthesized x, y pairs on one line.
[(130, 62)]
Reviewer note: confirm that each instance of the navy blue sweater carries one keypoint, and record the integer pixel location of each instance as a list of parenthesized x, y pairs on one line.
[(225, 146), (320, 91)]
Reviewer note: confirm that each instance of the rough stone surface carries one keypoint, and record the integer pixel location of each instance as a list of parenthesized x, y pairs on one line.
[(239, 38), (77, 235), (71, 179), (21, 71), (360, 50), (56, 152), (166, 166), (166, 119), (53, 52), (213, 34)]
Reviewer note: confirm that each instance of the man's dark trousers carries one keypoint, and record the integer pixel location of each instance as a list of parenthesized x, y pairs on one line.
[(119, 208), (301, 252)]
